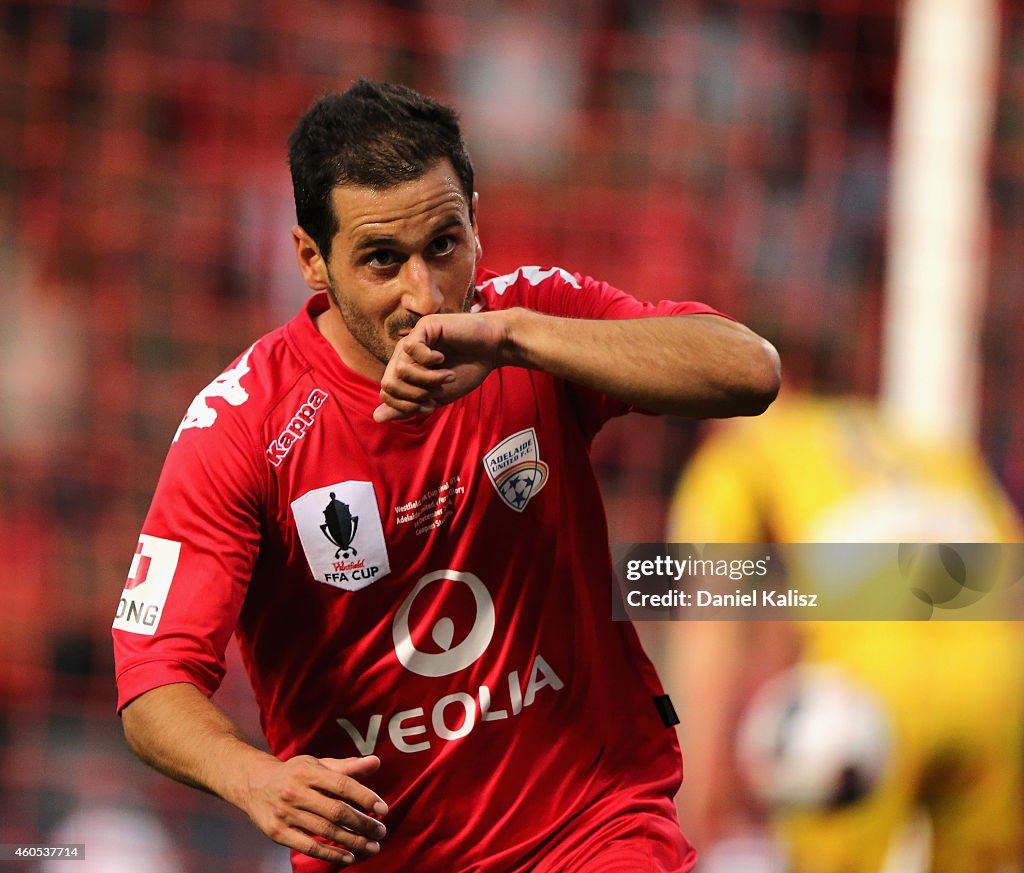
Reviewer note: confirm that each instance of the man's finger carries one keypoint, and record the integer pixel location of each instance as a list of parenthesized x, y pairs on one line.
[(334, 781), (421, 353), (329, 812), (358, 767), (325, 828), (305, 843), (404, 369), (417, 388), (404, 393), (397, 410)]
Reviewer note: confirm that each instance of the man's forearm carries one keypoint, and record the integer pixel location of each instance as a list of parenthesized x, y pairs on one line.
[(702, 366), (695, 365), (300, 803), (178, 731)]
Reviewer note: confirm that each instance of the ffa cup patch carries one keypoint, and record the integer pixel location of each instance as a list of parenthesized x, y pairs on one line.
[(516, 470), (341, 533)]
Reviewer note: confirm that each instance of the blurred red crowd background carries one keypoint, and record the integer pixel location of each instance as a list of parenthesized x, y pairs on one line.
[(733, 152)]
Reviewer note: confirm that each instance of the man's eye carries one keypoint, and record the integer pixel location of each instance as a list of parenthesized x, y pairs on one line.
[(382, 258), (442, 245)]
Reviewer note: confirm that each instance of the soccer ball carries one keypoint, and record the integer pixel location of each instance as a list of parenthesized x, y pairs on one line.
[(811, 738)]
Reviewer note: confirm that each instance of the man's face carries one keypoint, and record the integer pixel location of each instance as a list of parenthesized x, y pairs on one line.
[(399, 254)]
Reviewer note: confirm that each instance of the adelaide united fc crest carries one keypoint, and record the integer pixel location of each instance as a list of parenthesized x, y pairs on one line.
[(516, 470)]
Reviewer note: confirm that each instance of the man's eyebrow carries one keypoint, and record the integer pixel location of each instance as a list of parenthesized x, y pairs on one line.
[(377, 242), (391, 242), (452, 221)]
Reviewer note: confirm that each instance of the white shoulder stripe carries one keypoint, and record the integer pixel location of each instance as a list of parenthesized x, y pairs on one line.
[(533, 275)]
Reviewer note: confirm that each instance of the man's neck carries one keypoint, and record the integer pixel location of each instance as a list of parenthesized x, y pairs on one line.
[(352, 354)]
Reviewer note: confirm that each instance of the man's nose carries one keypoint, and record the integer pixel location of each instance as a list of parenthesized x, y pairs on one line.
[(420, 292)]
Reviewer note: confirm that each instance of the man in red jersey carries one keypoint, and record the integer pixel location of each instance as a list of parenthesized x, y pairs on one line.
[(389, 501)]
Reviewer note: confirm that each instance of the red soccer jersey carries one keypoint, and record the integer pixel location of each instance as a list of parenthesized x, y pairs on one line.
[(435, 591)]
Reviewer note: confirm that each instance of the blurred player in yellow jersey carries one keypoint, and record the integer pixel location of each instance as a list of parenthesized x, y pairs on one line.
[(829, 470)]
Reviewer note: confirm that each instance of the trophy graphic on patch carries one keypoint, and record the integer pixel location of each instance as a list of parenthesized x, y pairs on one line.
[(340, 526)]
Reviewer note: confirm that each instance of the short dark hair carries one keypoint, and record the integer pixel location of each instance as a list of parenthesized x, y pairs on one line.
[(375, 135)]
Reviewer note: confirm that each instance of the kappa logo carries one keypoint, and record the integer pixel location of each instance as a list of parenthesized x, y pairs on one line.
[(341, 534), (516, 470), (148, 584), (301, 422), (227, 386)]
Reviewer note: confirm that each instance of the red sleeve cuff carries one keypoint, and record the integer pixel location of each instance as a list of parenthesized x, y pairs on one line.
[(136, 679)]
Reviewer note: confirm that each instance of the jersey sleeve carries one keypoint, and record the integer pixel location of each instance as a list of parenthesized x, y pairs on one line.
[(192, 565), (555, 291)]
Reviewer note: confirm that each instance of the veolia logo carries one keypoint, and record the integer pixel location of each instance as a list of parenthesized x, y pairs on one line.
[(418, 726), (452, 658)]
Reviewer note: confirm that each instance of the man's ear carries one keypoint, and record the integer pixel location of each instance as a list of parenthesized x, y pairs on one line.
[(476, 229), (311, 263)]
